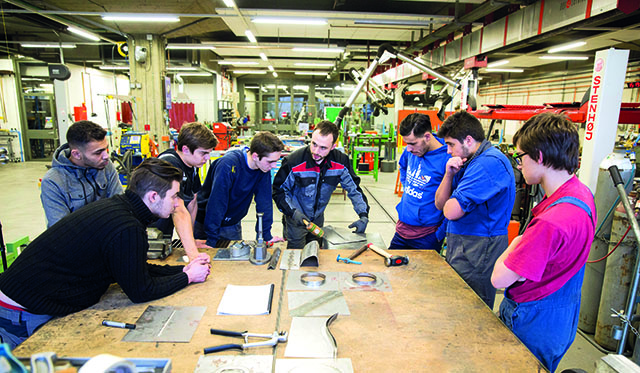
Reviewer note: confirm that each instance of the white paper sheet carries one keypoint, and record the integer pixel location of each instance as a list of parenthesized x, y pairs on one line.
[(246, 300)]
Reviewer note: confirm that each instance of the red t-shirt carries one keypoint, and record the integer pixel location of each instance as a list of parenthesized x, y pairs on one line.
[(555, 246)]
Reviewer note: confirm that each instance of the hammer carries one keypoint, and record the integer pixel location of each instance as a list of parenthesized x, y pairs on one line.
[(390, 260), (313, 228)]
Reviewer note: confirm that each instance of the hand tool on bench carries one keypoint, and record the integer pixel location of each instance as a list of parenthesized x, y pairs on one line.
[(273, 339), (390, 260), (346, 260), (356, 253)]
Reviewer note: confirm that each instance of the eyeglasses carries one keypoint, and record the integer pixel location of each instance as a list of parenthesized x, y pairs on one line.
[(518, 158)]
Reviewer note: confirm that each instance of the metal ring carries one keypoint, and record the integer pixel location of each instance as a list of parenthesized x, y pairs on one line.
[(313, 283), (373, 278)]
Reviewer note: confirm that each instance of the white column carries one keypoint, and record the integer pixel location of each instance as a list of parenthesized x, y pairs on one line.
[(603, 110)]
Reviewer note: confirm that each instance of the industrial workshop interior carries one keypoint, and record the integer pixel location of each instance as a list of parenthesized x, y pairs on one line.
[(319, 186)]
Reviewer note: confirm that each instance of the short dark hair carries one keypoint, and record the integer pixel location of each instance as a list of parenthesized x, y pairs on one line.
[(265, 143), (153, 174), (83, 132), (196, 135), (553, 135), (461, 124), (417, 123), (328, 128)]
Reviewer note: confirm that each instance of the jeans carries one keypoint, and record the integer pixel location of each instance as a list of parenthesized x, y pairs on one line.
[(428, 242), (17, 326), (546, 326)]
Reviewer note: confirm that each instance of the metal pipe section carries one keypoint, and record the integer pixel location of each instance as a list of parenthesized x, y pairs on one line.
[(409, 59), (356, 92), (631, 298)]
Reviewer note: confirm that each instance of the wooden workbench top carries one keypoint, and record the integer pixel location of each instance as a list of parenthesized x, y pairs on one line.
[(430, 321)]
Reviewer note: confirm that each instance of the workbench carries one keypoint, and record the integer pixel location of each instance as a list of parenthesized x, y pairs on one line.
[(430, 321)]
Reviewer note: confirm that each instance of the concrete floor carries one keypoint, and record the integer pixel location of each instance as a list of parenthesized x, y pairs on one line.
[(21, 215)]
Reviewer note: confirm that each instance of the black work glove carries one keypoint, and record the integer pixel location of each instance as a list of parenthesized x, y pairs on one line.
[(360, 225), (298, 218)]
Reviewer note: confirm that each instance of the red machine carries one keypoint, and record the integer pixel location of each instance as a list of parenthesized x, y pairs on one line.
[(223, 132)]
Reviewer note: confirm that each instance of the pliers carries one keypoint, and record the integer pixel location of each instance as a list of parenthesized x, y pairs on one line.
[(274, 338)]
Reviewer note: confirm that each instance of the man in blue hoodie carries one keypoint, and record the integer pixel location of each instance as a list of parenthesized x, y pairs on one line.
[(422, 167), (80, 173), (231, 184)]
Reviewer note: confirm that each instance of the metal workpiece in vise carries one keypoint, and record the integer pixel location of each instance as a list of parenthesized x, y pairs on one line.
[(389, 260), (271, 340), (346, 260), (260, 256)]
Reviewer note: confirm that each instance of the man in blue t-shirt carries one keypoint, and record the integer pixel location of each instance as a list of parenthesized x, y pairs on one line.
[(231, 184), (422, 167), (476, 195)]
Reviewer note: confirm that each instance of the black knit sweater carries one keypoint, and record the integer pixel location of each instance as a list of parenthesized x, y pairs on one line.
[(71, 265)]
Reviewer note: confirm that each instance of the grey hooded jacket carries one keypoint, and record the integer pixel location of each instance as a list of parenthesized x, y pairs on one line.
[(67, 187)]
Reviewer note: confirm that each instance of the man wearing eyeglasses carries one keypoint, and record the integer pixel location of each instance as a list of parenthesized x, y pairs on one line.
[(542, 270), (476, 195)]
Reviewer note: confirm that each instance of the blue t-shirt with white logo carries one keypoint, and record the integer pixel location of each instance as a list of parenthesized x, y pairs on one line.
[(420, 177)]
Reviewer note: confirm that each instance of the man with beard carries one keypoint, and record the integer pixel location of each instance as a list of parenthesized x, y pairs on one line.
[(303, 185), (80, 173)]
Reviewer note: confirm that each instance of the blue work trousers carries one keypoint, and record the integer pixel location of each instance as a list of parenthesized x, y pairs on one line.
[(546, 326), (17, 326), (428, 242)]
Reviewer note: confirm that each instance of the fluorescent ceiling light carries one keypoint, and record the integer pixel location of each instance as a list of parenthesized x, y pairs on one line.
[(238, 63), (250, 36), (301, 87), (318, 50), (567, 46), (46, 45), (263, 56), (275, 74), (313, 64), (113, 67), (558, 57), (309, 73), (139, 17), (256, 72), (251, 87), (391, 22), (194, 74), (290, 21), (46, 85), (345, 87), (273, 86), (190, 46), (505, 70), (229, 3), (324, 89), (183, 68), (27, 79), (270, 68), (498, 63), (84, 34)]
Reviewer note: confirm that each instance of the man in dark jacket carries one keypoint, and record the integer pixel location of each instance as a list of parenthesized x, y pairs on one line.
[(303, 185), (232, 183), (195, 144), (71, 265)]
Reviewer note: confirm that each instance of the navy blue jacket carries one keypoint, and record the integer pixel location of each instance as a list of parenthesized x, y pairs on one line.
[(230, 186)]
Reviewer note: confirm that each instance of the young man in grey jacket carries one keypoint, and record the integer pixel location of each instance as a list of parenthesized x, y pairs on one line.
[(80, 173)]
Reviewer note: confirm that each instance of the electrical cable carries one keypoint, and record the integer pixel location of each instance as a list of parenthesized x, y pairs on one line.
[(614, 248)]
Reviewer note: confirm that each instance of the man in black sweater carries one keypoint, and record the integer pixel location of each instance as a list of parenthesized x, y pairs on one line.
[(71, 265)]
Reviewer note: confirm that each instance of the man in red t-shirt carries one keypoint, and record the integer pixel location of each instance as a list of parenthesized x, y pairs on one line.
[(542, 270)]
